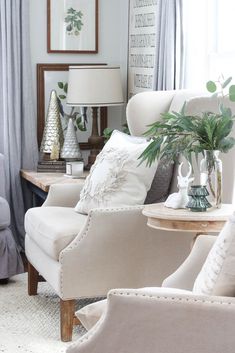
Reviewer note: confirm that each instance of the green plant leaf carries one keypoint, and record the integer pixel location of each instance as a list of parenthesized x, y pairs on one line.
[(226, 144), (176, 134), (66, 87), (62, 96), (232, 93), (61, 85), (227, 82), (211, 86), (107, 133)]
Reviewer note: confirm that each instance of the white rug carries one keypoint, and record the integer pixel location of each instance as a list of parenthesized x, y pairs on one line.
[(31, 324)]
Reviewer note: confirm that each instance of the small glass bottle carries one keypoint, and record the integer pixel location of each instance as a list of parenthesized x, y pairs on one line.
[(211, 176)]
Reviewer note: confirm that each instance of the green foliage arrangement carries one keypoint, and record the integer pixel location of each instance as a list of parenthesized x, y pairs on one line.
[(108, 132), (73, 21), (78, 121), (177, 133)]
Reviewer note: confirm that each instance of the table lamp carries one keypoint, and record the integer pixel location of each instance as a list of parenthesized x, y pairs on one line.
[(94, 86)]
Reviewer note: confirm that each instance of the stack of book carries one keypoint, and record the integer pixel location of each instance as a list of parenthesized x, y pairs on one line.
[(52, 166)]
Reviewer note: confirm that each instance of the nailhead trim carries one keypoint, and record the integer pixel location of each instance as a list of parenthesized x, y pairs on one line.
[(91, 332), (169, 298)]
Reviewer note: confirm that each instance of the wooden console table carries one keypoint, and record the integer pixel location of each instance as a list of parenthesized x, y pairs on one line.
[(164, 218), (39, 183)]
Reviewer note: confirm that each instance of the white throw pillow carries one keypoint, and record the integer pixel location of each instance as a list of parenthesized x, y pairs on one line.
[(217, 276), (116, 178), (90, 314)]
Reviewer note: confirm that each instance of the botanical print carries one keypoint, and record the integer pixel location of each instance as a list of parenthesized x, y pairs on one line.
[(73, 21), (80, 120), (72, 26)]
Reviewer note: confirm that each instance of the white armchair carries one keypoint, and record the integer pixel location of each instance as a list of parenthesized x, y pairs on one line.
[(86, 256), (157, 320)]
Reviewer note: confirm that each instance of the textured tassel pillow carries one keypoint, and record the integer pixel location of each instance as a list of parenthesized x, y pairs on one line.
[(217, 276), (116, 178)]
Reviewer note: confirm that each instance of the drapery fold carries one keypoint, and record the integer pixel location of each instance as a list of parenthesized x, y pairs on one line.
[(18, 140), (169, 59)]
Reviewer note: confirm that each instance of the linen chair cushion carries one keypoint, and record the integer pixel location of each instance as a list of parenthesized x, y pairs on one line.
[(90, 314), (5, 217), (217, 276), (116, 178), (53, 228)]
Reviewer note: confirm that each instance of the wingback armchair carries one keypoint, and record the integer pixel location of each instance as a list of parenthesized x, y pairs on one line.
[(169, 320), (86, 256), (10, 260)]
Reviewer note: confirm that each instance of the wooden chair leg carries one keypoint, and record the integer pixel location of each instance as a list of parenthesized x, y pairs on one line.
[(33, 279), (67, 310)]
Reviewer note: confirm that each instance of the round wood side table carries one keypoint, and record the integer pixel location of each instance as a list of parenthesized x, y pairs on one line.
[(164, 218)]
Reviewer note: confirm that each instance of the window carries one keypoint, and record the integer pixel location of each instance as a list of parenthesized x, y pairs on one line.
[(209, 40)]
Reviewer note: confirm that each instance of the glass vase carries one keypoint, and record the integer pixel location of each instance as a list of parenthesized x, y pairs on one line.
[(211, 176)]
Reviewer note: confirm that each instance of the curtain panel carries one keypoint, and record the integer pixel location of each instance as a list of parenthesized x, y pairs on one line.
[(18, 140), (169, 59)]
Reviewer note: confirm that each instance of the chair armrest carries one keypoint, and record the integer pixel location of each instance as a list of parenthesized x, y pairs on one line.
[(63, 195), (184, 277), (117, 249), (147, 322)]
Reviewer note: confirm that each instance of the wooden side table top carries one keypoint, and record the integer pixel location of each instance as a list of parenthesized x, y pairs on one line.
[(44, 180), (161, 217)]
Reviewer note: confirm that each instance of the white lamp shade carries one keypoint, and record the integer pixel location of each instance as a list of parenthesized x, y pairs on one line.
[(94, 86)]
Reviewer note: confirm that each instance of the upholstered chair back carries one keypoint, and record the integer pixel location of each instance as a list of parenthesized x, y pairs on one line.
[(145, 108)]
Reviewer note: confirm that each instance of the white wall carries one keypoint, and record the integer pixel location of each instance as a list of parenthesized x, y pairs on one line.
[(113, 43)]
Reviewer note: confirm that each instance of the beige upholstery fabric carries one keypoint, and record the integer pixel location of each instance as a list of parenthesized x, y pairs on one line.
[(63, 195), (145, 108), (184, 277), (53, 228), (92, 313), (117, 178), (161, 323), (50, 269), (217, 276)]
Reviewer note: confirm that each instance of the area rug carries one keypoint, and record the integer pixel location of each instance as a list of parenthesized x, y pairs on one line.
[(31, 324)]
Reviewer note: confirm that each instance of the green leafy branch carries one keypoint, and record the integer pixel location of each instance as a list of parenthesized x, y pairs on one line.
[(178, 133), (77, 118), (108, 132)]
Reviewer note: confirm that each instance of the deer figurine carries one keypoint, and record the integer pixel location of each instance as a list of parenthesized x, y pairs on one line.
[(180, 199)]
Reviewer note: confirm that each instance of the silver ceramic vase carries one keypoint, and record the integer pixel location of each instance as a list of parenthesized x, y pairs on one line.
[(71, 148), (53, 133)]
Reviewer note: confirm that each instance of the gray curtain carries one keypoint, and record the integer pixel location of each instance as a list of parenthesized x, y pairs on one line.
[(169, 60), (17, 120)]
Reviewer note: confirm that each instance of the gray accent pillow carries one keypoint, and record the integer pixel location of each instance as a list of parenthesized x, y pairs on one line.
[(161, 183)]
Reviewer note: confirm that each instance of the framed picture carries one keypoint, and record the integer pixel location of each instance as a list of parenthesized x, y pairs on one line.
[(142, 45), (55, 76), (72, 26)]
